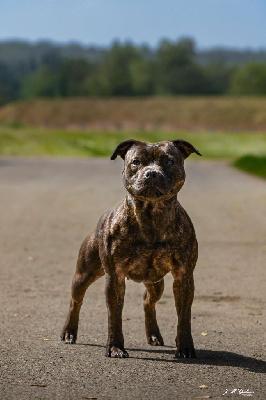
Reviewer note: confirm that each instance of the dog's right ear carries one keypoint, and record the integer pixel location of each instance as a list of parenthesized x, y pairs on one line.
[(186, 148), (123, 147)]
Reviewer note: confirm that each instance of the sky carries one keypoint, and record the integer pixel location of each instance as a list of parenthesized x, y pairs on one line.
[(212, 23)]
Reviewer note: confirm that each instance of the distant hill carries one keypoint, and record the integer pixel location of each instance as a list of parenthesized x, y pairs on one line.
[(230, 57), (24, 52)]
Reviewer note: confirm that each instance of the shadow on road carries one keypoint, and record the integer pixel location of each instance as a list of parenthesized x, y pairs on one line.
[(204, 357)]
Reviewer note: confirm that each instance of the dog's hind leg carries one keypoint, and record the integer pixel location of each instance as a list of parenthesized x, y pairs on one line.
[(152, 294), (88, 270), (183, 288)]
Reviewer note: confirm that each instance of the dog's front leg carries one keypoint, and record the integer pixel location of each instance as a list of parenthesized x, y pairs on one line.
[(115, 292), (183, 288)]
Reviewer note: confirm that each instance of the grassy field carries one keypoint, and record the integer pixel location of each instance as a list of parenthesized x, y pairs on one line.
[(24, 141), (244, 114)]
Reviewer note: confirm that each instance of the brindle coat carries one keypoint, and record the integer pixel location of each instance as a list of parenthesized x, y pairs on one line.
[(146, 236)]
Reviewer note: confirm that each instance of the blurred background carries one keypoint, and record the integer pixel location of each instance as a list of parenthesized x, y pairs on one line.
[(77, 79)]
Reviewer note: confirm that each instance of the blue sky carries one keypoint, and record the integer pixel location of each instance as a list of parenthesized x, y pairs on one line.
[(231, 23)]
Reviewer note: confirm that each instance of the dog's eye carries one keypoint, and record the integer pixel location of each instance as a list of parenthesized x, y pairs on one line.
[(136, 162), (169, 161)]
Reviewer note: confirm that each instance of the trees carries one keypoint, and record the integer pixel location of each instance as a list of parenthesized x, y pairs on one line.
[(177, 72), (8, 85), (72, 77), (126, 70), (142, 74), (250, 79), (218, 76), (69, 79), (116, 69), (41, 83)]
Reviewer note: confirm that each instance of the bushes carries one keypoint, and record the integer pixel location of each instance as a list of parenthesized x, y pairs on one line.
[(253, 164)]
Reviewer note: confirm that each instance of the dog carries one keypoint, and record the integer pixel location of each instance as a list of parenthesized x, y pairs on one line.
[(146, 236)]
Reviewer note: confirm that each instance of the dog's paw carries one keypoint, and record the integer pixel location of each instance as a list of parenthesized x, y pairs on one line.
[(115, 352), (155, 340), (69, 336), (185, 352)]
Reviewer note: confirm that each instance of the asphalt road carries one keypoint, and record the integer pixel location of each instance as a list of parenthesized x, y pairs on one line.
[(47, 207)]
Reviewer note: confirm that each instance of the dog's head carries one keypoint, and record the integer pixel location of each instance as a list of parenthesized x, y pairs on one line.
[(154, 171)]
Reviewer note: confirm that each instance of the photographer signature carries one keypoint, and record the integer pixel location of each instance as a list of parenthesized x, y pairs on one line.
[(242, 392)]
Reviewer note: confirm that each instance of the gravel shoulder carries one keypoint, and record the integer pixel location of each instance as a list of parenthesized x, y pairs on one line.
[(47, 207)]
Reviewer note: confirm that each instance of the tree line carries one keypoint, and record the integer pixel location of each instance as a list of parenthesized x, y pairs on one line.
[(128, 70)]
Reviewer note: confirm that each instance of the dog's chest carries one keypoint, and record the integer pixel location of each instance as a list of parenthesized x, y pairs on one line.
[(142, 261)]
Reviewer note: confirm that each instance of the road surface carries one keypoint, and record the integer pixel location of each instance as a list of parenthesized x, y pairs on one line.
[(47, 208)]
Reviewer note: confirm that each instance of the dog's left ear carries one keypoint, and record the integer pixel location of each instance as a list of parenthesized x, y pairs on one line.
[(123, 147), (185, 147)]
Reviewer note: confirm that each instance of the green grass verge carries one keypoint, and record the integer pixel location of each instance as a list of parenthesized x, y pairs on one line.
[(253, 164), (25, 141)]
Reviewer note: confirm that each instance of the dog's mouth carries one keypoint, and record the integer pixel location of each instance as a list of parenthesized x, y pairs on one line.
[(151, 192)]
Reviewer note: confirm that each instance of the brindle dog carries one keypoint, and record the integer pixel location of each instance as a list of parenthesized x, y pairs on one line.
[(146, 236)]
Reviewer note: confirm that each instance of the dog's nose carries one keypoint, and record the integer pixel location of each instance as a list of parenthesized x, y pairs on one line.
[(151, 174)]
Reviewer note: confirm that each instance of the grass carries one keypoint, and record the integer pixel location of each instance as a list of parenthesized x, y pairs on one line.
[(253, 164), (28, 141)]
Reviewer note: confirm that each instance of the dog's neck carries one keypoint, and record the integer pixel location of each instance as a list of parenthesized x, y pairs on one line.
[(153, 217)]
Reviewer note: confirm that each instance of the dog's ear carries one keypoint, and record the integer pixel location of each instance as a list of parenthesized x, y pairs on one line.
[(185, 147), (123, 147)]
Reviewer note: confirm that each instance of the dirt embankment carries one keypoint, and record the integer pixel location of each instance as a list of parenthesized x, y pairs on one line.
[(166, 113)]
